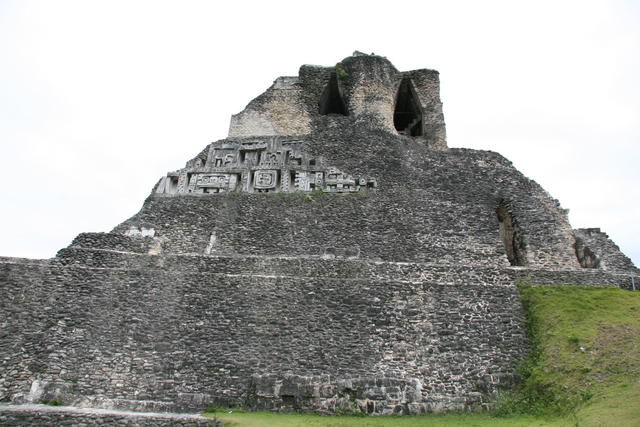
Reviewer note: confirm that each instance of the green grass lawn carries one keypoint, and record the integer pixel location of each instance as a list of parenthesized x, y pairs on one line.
[(264, 419), (583, 370)]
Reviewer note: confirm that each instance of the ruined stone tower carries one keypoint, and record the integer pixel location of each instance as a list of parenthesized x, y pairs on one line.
[(331, 253)]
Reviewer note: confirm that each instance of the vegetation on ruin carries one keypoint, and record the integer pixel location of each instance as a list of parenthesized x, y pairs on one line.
[(585, 356), (583, 370), (340, 71)]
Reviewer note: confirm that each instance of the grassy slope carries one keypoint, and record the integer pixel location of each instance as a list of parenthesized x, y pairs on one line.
[(587, 353), (584, 369)]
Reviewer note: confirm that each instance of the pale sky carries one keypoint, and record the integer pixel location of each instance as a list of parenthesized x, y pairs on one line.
[(99, 99)]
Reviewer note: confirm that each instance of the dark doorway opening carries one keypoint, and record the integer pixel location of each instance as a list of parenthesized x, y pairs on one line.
[(331, 101), (407, 116), (586, 257), (511, 237)]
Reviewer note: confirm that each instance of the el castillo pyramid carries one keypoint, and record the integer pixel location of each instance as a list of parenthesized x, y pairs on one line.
[(331, 254)]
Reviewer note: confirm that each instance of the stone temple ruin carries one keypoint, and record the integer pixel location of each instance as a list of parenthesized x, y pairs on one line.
[(331, 254)]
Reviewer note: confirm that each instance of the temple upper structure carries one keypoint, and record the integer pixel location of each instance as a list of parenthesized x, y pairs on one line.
[(361, 90)]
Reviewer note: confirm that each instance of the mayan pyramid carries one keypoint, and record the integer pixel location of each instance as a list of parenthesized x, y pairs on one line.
[(331, 254)]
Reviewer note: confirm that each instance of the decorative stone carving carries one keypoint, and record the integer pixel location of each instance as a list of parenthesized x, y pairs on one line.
[(260, 166), (140, 232), (215, 183), (265, 179)]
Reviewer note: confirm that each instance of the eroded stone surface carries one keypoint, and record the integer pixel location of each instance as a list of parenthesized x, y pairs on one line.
[(41, 415), (367, 87), (332, 255)]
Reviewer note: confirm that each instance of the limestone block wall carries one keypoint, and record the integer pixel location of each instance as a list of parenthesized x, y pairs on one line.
[(421, 228), (582, 277), (116, 242), (196, 338), (115, 328), (427, 86), (39, 415), (606, 254), (428, 206), (344, 268), (278, 111), (547, 234)]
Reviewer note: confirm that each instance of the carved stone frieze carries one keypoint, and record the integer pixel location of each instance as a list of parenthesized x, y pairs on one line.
[(276, 165)]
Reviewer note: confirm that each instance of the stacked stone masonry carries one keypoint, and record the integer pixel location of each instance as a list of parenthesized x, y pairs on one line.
[(331, 254), (181, 335), (39, 415)]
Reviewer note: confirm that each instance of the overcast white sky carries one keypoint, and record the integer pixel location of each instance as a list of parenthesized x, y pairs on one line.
[(98, 99)]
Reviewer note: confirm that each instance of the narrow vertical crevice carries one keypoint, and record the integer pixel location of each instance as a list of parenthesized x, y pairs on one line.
[(585, 255), (172, 185), (407, 115), (331, 101), (511, 236), (212, 243)]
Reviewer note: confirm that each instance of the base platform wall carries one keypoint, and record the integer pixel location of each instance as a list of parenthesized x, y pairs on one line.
[(194, 339)]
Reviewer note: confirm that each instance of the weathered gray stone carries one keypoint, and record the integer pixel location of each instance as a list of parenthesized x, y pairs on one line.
[(40, 415), (331, 255)]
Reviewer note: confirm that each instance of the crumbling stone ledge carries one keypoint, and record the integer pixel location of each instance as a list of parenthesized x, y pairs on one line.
[(33, 414), (339, 268)]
